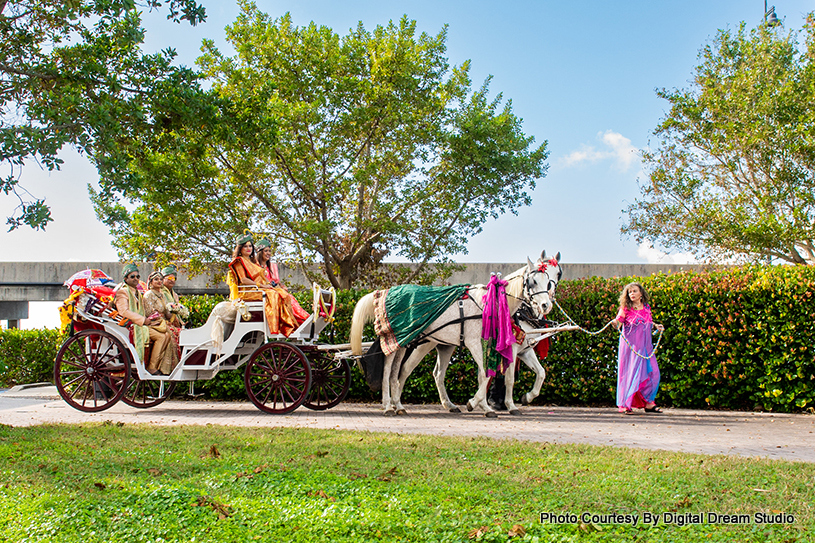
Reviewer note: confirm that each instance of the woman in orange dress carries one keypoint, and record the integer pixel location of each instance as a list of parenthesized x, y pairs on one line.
[(263, 258), (252, 285)]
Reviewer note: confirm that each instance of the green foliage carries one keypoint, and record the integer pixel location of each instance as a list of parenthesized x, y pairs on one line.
[(27, 356), (101, 482), (200, 308), (739, 338), (73, 73), (381, 147), (732, 174)]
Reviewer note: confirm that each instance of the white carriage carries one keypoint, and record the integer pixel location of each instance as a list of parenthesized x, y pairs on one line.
[(98, 364)]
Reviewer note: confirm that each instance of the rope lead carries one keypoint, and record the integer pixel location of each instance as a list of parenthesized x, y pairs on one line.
[(571, 321)]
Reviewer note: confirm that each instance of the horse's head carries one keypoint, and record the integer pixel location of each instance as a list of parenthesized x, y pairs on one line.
[(540, 283)]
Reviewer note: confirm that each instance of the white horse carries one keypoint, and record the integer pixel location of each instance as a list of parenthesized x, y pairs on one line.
[(459, 324), (525, 352)]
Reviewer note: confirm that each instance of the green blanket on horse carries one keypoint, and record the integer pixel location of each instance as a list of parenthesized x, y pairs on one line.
[(405, 311)]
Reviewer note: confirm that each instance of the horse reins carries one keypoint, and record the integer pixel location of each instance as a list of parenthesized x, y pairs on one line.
[(601, 330)]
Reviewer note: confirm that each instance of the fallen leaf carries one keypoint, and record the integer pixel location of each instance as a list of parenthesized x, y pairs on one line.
[(478, 532), (320, 454), (155, 472), (685, 502), (517, 531), (222, 510), (213, 452), (355, 475), (388, 474), (100, 486), (320, 494)]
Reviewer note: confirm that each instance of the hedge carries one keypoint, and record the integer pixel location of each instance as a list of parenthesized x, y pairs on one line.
[(740, 338), (27, 356)]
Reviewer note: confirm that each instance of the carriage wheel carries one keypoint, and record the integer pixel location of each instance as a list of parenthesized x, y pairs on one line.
[(143, 394), (330, 381), (277, 378), (91, 370)]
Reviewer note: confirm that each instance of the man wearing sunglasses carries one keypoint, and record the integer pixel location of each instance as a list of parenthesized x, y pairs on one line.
[(129, 304)]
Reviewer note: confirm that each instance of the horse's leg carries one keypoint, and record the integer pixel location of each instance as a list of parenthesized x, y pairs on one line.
[(473, 343), (390, 362), (509, 381), (403, 372), (531, 360), (443, 355)]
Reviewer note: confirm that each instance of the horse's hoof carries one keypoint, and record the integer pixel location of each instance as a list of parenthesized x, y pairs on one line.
[(456, 410), (491, 415), (469, 406), (515, 412), (401, 412), (390, 413), (523, 400)]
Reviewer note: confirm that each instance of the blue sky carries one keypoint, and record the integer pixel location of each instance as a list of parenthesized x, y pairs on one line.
[(582, 75)]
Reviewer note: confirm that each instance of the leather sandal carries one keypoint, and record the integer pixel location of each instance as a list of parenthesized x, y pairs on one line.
[(654, 409), (628, 412)]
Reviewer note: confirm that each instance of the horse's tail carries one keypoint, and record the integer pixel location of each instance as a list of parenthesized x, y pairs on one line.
[(363, 314)]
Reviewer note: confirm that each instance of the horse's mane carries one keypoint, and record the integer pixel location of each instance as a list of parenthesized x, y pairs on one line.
[(515, 283), (514, 288)]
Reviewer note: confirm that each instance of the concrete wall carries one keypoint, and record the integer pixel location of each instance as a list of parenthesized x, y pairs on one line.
[(42, 281), (12, 311)]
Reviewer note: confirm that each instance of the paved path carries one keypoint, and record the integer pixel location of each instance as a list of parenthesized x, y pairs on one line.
[(775, 436)]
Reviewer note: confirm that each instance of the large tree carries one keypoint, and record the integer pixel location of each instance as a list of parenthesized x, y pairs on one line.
[(72, 73), (381, 148), (733, 174)]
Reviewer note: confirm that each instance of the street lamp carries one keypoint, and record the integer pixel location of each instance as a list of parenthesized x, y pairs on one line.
[(769, 16)]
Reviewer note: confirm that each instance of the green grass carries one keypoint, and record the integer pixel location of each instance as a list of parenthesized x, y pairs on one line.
[(107, 482)]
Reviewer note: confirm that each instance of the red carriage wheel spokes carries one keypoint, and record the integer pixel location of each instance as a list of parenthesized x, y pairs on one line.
[(143, 394), (91, 370), (277, 378), (330, 381)]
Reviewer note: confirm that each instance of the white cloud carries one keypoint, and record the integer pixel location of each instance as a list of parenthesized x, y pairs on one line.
[(616, 147), (647, 251)]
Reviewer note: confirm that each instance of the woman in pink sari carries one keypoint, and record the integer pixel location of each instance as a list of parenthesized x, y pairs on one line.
[(637, 369), (263, 258)]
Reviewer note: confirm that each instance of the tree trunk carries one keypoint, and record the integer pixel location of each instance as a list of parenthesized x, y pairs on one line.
[(346, 276)]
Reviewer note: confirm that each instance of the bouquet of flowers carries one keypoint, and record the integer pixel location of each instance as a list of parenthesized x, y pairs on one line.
[(180, 310)]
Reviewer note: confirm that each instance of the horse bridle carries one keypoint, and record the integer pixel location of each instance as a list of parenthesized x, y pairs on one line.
[(528, 275)]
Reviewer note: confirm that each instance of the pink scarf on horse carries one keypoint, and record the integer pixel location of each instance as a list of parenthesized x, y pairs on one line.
[(496, 322)]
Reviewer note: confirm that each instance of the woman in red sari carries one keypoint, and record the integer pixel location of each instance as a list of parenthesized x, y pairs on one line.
[(251, 285), (263, 258)]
